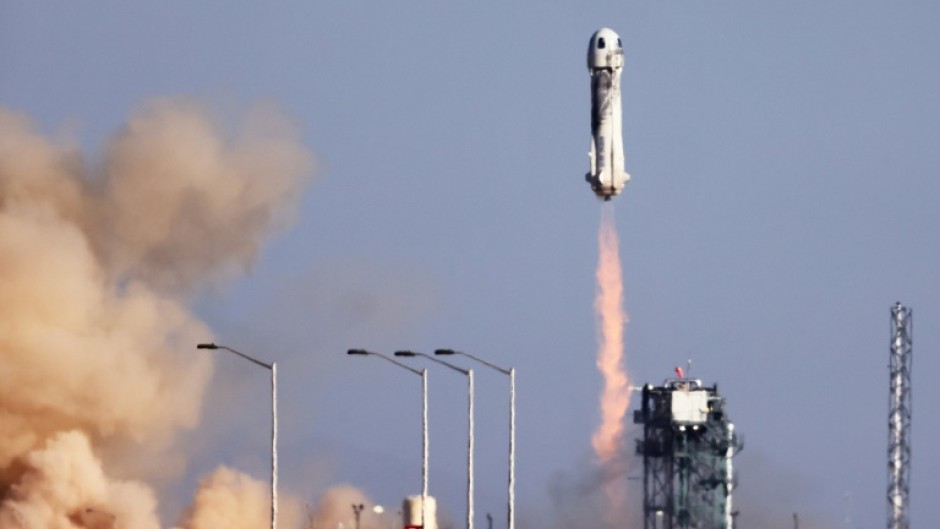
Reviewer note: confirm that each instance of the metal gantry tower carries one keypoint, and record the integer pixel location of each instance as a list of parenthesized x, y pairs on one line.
[(687, 449), (899, 416)]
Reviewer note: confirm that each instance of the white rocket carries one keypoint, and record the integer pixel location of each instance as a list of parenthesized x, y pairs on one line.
[(605, 64)]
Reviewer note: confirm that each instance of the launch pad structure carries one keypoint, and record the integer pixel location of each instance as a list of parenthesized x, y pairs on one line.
[(687, 447)]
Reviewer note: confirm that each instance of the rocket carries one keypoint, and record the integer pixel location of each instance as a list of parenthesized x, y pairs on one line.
[(605, 64)]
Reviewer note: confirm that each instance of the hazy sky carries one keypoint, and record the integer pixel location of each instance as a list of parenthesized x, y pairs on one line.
[(785, 193)]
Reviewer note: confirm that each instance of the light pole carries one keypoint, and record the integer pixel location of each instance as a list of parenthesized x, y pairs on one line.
[(511, 372), (424, 421), (357, 511), (273, 368), (469, 375)]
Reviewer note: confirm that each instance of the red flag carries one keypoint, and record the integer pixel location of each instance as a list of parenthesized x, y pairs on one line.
[(679, 372)]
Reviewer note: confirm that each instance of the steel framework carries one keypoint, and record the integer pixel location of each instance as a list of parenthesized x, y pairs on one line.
[(687, 449), (899, 416)]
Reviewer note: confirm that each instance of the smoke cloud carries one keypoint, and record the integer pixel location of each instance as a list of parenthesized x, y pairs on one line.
[(63, 486), (97, 263), (333, 510), (183, 202), (230, 499)]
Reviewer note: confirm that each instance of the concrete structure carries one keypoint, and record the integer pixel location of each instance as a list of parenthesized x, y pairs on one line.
[(411, 512)]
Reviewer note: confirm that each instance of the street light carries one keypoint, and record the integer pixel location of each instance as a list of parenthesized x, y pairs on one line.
[(469, 374), (424, 421), (357, 510), (273, 368), (511, 372)]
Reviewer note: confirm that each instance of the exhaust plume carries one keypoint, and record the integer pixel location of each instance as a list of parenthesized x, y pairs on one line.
[(97, 263), (615, 397)]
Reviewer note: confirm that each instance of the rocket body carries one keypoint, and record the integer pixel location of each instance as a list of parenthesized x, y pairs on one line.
[(605, 64)]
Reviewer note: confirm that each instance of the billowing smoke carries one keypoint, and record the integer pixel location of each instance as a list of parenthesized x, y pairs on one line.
[(615, 397), (230, 499), (333, 510), (62, 485), (97, 263)]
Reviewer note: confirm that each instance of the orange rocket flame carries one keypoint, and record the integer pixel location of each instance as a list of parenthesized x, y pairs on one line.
[(615, 398)]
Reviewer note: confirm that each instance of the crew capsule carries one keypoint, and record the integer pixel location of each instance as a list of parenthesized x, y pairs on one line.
[(605, 50)]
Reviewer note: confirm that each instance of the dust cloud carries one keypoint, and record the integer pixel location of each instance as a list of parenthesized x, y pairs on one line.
[(333, 509), (98, 260), (230, 499)]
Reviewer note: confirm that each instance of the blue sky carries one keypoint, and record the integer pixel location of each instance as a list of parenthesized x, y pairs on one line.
[(784, 195)]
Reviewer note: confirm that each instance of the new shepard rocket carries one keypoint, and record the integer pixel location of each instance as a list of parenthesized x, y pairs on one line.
[(605, 64)]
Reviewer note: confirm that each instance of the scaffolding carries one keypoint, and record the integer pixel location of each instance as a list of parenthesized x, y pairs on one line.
[(687, 448), (899, 416)]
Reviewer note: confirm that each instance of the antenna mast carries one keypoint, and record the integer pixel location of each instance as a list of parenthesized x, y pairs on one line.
[(899, 417)]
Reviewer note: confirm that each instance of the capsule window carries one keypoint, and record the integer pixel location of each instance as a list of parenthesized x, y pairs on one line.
[(601, 44)]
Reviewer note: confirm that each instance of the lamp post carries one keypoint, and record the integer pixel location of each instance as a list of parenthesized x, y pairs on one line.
[(511, 372), (273, 368), (424, 421), (357, 511), (469, 375)]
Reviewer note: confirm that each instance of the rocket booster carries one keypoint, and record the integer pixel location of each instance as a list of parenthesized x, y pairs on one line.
[(605, 64)]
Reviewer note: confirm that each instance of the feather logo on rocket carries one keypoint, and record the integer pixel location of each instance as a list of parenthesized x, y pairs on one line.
[(605, 64)]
